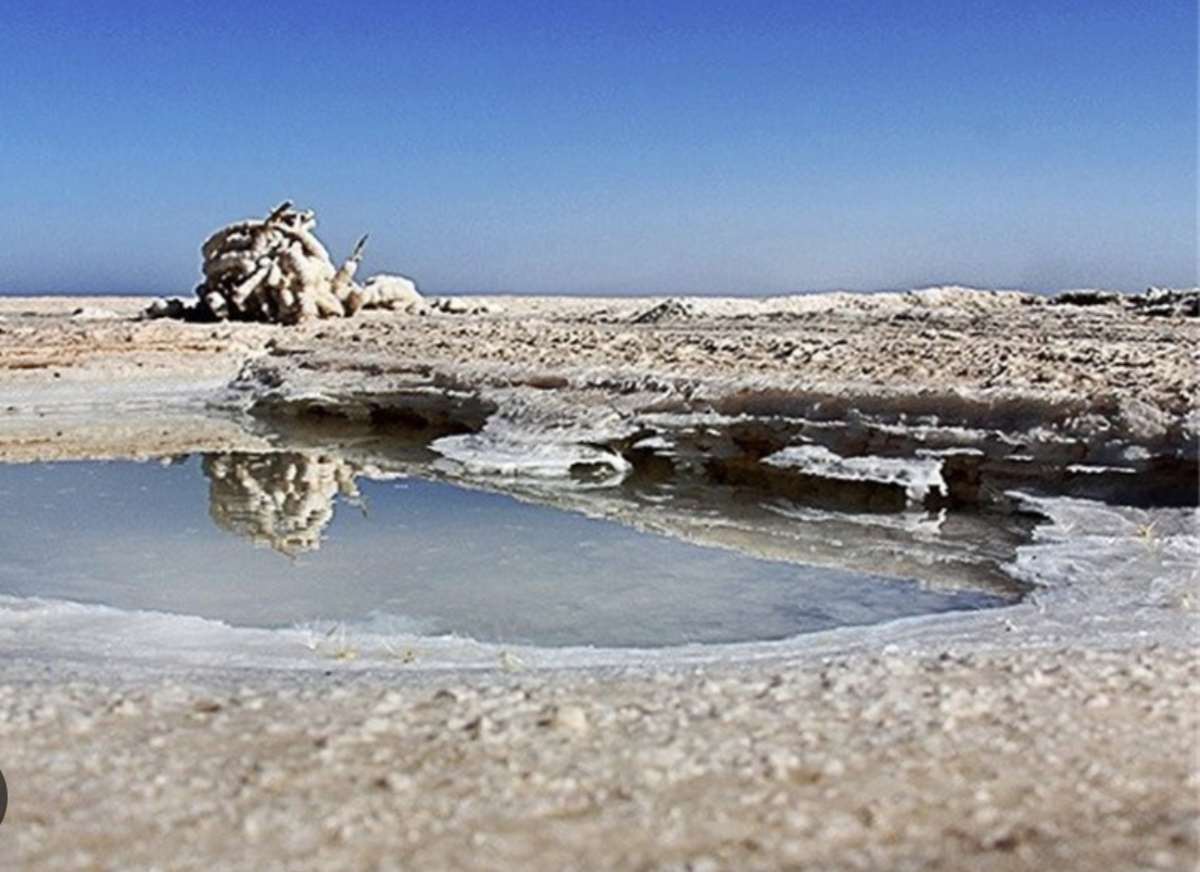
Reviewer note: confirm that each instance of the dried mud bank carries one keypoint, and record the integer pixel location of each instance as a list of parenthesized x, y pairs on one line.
[(1060, 732)]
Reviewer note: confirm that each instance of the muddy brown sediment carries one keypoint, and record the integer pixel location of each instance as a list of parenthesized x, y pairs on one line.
[(1047, 735)]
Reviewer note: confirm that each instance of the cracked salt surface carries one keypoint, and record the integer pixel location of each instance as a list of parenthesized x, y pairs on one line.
[(283, 555)]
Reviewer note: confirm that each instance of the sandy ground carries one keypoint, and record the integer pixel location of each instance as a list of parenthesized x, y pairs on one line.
[(1041, 737)]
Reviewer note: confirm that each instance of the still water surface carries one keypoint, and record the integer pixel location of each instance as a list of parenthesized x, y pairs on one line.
[(277, 540)]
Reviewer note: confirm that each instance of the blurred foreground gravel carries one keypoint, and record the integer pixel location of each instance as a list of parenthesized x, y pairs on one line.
[(994, 760)]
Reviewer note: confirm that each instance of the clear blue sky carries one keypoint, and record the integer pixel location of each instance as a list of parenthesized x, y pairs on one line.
[(629, 146)]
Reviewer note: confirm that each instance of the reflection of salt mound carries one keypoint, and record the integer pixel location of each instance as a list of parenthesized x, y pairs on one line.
[(284, 501)]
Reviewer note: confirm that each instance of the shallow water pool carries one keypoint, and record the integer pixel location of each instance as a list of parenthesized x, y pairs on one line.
[(294, 539)]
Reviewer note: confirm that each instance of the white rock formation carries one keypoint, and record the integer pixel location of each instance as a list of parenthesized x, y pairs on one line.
[(385, 292), (277, 270)]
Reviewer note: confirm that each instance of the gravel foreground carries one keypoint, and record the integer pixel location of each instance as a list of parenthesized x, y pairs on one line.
[(989, 761), (970, 751)]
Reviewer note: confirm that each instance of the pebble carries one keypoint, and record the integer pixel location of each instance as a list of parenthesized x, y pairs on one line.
[(571, 718)]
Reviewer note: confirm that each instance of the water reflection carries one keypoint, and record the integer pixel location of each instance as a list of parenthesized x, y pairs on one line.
[(283, 501), (286, 501), (432, 558)]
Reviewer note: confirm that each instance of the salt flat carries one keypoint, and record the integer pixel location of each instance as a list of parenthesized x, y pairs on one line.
[(1057, 733)]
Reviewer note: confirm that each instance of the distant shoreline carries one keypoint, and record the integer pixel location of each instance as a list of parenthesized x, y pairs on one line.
[(637, 294)]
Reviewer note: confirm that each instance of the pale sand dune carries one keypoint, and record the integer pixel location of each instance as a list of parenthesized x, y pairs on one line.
[(1061, 733)]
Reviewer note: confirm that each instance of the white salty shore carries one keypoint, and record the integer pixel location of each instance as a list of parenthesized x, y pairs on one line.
[(1057, 733)]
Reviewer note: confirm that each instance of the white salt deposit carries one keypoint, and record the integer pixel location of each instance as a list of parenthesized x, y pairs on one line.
[(487, 453), (544, 444), (1115, 554), (918, 475)]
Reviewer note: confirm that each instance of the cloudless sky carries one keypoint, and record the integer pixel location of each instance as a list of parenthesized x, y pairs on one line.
[(607, 146)]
